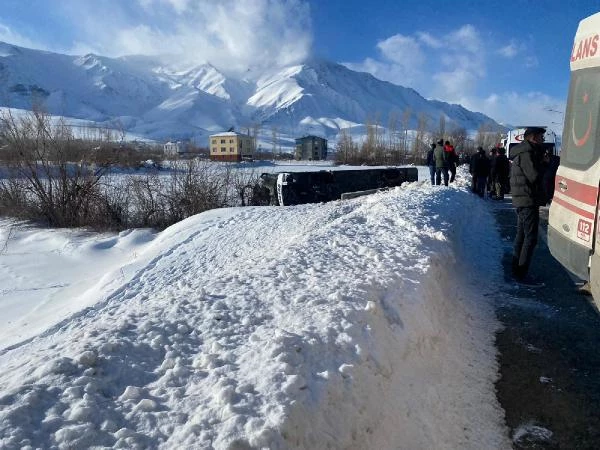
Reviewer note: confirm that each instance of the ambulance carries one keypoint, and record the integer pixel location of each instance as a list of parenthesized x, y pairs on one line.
[(515, 137), (573, 224)]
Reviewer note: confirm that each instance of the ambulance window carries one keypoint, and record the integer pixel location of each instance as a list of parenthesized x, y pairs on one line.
[(579, 149)]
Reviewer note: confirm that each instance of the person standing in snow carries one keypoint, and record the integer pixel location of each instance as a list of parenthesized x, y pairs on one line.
[(480, 169), (501, 172), (471, 162), (431, 162), (526, 184), (441, 164), (492, 178), (451, 159)]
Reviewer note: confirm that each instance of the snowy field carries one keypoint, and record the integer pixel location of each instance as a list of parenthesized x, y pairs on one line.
[(357, 324)]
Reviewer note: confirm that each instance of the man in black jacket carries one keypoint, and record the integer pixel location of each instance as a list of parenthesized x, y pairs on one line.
[(527, 196), (480, 169), (500, 173)]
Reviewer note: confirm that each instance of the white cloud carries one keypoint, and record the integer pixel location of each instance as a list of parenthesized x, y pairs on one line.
[(509, 51), (429, 40), (520, 51), (451, 66), (146, 4), (455, 84), (531, 61), (401, 50), (531, 108), (9, 35), (401, 61), (180, 6), (465, 39), (232, 34), (447, 67)]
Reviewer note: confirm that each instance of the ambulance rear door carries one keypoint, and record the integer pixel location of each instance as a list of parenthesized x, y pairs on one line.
[(573, 227)]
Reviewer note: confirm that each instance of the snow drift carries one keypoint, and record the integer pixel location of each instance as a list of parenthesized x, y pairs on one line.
[(352, 324)]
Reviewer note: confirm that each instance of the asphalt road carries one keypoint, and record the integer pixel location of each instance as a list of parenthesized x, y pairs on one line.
[(549, 351)]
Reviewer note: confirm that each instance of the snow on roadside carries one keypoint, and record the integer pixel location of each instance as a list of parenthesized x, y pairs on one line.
[(49, 274), (355, 324)]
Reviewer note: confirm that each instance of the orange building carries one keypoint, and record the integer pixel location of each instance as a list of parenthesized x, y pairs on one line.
[(231, 146)]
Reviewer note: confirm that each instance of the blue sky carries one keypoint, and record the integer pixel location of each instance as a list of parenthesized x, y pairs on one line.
[(508, 59)]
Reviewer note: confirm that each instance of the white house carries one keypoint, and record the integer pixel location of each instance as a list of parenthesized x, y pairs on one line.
[(175, 148)]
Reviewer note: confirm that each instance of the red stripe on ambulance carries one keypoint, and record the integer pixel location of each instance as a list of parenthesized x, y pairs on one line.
[(583, 193), (573, 208)]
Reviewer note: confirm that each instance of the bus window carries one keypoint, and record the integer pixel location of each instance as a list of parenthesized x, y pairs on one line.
[(579, 149)]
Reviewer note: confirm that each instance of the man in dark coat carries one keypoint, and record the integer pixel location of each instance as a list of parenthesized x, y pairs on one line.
[(492, 177), (441, 163), (527, 197), (431, 163), (480, 169), (472, 159), (501, 171)]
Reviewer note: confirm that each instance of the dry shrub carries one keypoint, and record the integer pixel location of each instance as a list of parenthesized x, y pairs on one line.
[(54, 188), (49, 176)]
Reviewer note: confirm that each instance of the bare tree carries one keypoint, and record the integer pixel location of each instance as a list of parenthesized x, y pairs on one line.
[(244, 184), (274, 139), (406, 117), (59, 184), (119, 128), (419, 148), (51, 176), (367, 149), (346, 151), (256, 132), (458, 136), (442, 126), (486, 136), (393, 144)]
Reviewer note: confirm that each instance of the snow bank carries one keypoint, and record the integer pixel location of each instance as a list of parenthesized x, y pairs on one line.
[(355, 324), (49, 274)]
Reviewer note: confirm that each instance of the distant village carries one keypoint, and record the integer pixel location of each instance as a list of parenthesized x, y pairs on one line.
[(235, 147)]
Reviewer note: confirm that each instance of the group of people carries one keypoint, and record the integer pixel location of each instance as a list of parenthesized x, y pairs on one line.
[(490, 173), (528, 177), (442, 161), (531, 170)]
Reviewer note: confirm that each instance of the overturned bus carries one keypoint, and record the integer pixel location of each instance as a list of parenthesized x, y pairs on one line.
[(295, 188)]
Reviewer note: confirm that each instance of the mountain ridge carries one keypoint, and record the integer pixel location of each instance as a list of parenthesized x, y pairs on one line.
[(160, 101)]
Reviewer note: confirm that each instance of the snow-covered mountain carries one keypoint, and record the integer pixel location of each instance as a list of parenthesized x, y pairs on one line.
[(158, 101)]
